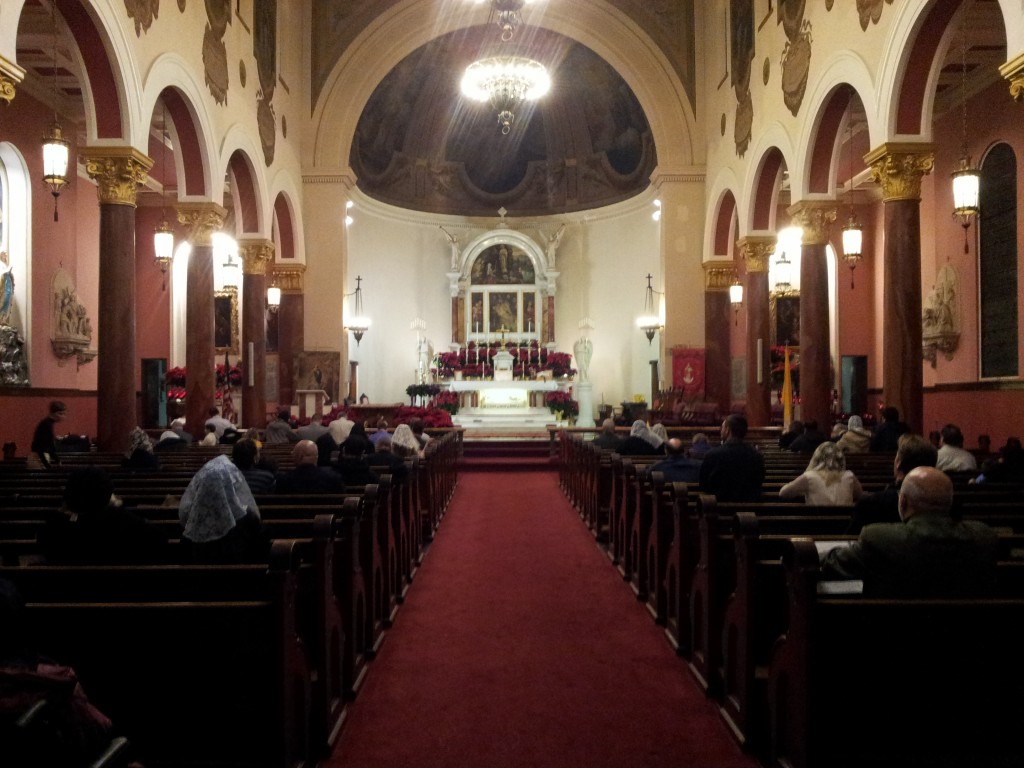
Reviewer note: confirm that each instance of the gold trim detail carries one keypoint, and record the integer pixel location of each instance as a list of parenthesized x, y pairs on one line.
[(719, 275), (118, 173), (256, 255), (202, 220), (815, 219), (7, 89), (10, 75), (1013, 71), (289, 277), (899, 167), (756, 250)]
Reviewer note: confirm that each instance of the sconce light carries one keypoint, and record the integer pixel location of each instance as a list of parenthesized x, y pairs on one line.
[(163, 235), (273, 295), (736, 299), (657, 211), (853, 233), (966, 180), (55, 146), (358, 322), (649, 322)]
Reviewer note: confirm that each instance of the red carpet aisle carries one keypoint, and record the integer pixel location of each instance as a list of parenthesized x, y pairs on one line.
[(519, 645)]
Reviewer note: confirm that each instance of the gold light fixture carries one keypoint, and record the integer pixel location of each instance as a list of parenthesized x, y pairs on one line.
[(649, 322), (736, 299), (966, 179), (784, 266), (853, 233), (163, 235), (358, 322), (55, 146), (273, 295), (506, 82), (507, 15)]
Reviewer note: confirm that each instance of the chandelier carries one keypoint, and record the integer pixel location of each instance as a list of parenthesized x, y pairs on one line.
[(358, 322), (966, 179), (649, 322), (505, 82), (853, 233), (55, 146), (506, 14)]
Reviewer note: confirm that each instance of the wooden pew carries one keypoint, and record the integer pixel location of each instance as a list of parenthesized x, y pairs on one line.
[(858, 682)]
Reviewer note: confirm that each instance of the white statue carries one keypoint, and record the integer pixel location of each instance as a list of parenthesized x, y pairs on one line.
[(552, 249), (453, 241), (583, 349)]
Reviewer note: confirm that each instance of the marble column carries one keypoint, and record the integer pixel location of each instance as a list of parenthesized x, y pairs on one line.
[(756, 250), (718, 319), (255, 255), (202, 219), (898, 169), (10, 75), (290, 328), (118, 172), (816, 382)]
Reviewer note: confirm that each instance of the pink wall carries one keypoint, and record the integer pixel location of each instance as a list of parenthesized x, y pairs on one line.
[(22, 409), (858, 306), (976, 410), (152, 294)]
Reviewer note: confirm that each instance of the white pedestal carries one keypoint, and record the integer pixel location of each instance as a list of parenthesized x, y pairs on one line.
[(585, 397), (311, 403)]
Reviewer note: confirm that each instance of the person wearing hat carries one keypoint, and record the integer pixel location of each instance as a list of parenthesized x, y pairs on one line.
[(856, 439)]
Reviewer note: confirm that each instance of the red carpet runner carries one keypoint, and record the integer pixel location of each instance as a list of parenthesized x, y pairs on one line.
[(520, 645)]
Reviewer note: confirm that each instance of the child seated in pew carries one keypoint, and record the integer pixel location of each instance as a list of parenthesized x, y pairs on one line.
[(92, 528), (219, 517), (928, 554), (826, 481)]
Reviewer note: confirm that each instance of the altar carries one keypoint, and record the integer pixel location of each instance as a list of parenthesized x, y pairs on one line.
[(504, 405)]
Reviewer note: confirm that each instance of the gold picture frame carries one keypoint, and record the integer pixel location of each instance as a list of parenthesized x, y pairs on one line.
[(225, 320)]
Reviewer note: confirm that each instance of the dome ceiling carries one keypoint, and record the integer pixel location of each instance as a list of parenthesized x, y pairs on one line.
[(421, 145)]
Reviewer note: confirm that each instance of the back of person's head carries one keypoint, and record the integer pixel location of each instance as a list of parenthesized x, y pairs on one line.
[(245, 453), (639, 428), (925, 491), (608, 425), (56, 407), (699, 439), (214, 411), (811, 425), (674, 447), (416, 425), (252, 434), (914, 451), (283, 414), (737, 425), (383, 445), (382, 423), (88, 489), (828, 457), (363, 399), (891, 413), (984, 442), (855, 422), (951, 435), (1012, 444), (230, 436), (660, 431), (211, 428), (305, 452), (178, 423)]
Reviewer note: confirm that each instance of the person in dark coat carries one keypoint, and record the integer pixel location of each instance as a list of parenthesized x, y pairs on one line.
[(808, 440), (139, 455), (246, 455), (607, 438), (641, 441), (733, 471), (353, 465), (93, 529), (678, 467), (44, 442), (384, 461), (308, 477), (887, 434)]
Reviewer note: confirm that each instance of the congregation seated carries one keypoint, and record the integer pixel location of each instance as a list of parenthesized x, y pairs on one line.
[(641, 441), (887, 433), (856, 439), (404, 442), (809, 439), (312, 431), (353, 464), (171, 441), (210, 438), (92, 528), (734, 470), (246, 455), (219, 517), (607, 439), (952, 456), (308, 476), (382, 430), (827, 481), (219, 422), (883, 506), (140, 452), (417, 426), (340, 428), (358, 443), (1006, 467), (385, 461), (279, 431), (699, 446), (677, 467), (928, 554)]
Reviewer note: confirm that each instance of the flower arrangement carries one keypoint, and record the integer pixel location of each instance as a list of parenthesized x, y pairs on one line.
[(562, 402), (432, 417), (226, 377), (446, 401), (446, 363), (422, 390)]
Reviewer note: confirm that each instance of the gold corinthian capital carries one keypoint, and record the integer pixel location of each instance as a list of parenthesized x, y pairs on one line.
[(202, 220), (255, 255), (719, 275), (898, 169), (10, 75), (814, 218), (117, 171), (1013, 71), (756, 250)]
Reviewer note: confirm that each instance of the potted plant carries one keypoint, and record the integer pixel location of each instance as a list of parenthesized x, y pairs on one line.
[(562, 405)]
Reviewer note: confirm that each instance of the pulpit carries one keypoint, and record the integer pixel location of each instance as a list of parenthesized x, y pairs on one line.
[(311, 403)]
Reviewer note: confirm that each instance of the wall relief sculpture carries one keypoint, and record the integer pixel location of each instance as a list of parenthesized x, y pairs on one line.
[(940, 320), (71, 326), (215, 53)]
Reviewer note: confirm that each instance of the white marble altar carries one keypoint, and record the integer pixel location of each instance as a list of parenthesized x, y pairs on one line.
[(504, 405)]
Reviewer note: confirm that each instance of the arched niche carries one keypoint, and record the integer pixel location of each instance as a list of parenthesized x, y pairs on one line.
[(503, 280)]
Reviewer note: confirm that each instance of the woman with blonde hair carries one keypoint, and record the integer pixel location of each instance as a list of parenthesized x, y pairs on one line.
[(826, 481), (404, 442)]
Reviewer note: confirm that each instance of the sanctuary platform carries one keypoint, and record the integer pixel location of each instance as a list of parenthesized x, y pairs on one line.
[(505, 406)]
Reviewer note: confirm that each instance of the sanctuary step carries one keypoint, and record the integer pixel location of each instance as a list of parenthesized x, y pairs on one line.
[(505, 455)]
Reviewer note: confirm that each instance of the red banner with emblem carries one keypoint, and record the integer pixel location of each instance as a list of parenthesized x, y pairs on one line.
[(688, 371)]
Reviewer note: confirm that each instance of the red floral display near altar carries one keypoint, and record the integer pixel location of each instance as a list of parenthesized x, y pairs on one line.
[(530, 359)]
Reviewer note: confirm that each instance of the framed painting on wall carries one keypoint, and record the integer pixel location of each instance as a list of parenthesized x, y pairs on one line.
[(529, 312), (785, 320), (225, 320), (503, 312), (318, 370)]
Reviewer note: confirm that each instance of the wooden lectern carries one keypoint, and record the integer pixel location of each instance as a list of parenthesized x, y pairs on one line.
[(311, 403)]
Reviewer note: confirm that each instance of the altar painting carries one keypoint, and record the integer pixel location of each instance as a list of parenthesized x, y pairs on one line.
[(503, 312), (529, 312), (318, 370), (476, 313), (502, 264)]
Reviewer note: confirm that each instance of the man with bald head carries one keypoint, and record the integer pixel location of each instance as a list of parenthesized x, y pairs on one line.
[(928, 554), (307, 477)]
